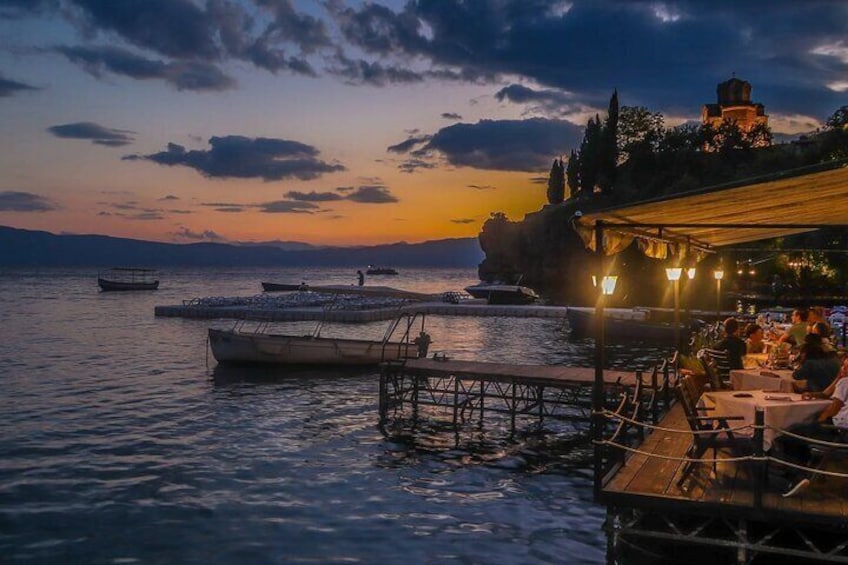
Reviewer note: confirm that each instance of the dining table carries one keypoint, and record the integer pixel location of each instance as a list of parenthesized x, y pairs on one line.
[(779, 380), (781, 410)]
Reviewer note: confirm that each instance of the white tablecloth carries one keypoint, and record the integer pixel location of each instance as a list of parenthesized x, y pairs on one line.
[(779, 414), (758, 379)]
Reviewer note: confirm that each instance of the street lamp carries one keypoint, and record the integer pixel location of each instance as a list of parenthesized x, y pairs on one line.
[(718, 274), (673, 274), (607, 284)]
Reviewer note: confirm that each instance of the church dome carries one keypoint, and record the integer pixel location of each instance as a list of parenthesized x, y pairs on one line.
[(734, 91)]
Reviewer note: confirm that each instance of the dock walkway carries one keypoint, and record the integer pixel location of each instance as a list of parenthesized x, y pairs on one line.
[(465, 391)]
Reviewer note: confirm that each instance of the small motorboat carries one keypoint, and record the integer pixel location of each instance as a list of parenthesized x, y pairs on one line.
[(624, 324), (241, 345), (372, 270), (127, 278), (503, 293), (282, 287)]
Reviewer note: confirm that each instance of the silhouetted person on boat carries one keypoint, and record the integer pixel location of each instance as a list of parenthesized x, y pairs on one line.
[(361, 276)]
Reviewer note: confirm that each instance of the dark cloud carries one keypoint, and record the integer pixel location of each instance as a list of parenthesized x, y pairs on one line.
[(13, 9), (506, 145), (144, 216), (463, 221), (188, 75), (235, 156), (177, 28), (539, 180), (173, 211), (374, 73), (481, 186), (185, 234), (228, 207), (372, 194), (13, 201), (548, 101), (98, 134), (409, 144), (287, 207), (11, 87), (412, 165), (590, 47), (169, 197), (305, 31), (313, 196), (451, 116)]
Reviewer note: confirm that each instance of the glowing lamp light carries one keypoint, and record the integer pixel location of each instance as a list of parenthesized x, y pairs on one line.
[(673, 273), (718, 274), (607, 283), (690, 273)]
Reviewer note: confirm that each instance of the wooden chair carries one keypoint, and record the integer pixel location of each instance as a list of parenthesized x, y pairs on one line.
[(722, 363), (709, 432)]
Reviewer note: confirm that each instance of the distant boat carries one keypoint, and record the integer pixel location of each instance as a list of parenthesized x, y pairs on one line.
[(280, 287), (623, 323), (372, 270), (126, 278), (239, 346), (503, 293)]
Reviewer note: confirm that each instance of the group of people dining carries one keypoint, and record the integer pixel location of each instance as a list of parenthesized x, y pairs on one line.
[(819, 371)]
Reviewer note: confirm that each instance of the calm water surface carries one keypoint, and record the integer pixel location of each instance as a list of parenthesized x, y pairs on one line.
[(118, 444)]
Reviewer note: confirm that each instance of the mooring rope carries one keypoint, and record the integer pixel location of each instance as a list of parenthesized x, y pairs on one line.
[(686, 459), (809, 439), (613, 415), (807, 469)]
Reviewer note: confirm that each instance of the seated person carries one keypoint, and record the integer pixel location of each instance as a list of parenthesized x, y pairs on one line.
[(732, 343), (796, 332), (815, 365), (822, 329), (828, 424), (754, 339), (816, 315)]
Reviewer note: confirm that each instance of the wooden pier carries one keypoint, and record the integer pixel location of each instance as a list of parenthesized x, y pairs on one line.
[(464, 391)]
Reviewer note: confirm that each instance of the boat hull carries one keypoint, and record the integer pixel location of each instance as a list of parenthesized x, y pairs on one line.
[(503, 294), (229, 346), (582, 323), (280, 287), (108, 285)]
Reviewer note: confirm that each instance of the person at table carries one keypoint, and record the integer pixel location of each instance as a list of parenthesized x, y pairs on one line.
[(831, 388), (732, 343), (796, 332), (822, 329), (816, 366), (829, 424), (754, 336), (815, 315)]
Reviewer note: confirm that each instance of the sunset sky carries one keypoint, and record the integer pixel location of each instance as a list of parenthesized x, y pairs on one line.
[(343, 122)]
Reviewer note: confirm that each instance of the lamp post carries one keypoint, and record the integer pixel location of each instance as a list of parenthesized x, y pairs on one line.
[(718, 274), (673, 274)]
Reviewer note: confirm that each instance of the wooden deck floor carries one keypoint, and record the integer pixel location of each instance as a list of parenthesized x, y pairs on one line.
[(528, 374), (652, 482)]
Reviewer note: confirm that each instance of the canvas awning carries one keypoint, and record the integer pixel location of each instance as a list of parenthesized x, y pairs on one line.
[(768, 207)]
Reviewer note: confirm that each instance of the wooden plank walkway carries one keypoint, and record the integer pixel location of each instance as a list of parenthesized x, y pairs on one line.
[(553, 375), (651, 482)]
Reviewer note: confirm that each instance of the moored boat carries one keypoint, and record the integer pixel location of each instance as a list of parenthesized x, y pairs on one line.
[(238, 345), (127, 278), (282, 287), (503, 293), (372, 270), (623, 323)]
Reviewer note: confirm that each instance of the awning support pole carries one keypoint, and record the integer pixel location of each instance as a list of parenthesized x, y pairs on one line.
[(598, 385)]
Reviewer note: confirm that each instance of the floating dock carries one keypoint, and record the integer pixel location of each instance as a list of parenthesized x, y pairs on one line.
[(300, 314)]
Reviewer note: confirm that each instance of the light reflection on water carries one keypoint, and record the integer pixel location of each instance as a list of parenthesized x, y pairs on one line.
[(119, 444)]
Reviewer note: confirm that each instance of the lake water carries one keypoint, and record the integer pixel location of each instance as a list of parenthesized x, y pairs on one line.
[(119, 444)]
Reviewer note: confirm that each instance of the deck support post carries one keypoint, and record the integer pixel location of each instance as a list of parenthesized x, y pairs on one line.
[(598, 385), (759, 463)]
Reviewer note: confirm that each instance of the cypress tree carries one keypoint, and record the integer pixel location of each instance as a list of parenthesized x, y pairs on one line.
[(572, 174)]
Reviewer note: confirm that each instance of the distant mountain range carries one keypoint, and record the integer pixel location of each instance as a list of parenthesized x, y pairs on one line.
[(39, 248)]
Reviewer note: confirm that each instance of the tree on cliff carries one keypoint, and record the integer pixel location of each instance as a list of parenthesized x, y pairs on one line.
[(556, 183), (609, 147), (572, 173)]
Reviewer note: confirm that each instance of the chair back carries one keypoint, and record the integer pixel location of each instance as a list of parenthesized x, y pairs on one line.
[(721, 364), (688, 393)]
